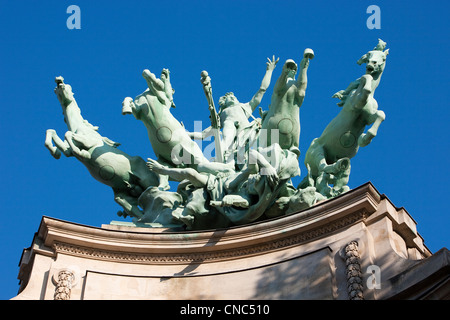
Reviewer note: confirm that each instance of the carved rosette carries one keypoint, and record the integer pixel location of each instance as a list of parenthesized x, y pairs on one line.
[(64, 285), (354, 273)]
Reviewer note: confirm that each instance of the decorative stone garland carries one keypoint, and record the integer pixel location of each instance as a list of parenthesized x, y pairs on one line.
[(353, 270), (64, 284)]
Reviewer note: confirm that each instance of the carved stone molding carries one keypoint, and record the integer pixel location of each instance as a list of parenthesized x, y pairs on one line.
[(211, 254), (266, 258)]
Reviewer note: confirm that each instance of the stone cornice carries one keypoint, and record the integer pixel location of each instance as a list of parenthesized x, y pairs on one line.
[(210, 245), (208, 255)]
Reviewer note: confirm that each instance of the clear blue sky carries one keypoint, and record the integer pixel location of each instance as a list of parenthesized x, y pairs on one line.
[(407, 161)]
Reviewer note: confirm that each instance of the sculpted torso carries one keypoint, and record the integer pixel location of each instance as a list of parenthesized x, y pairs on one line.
[(237, 114), (284, 111), (166, 134), (284, 116), (113, 170), (343, 131)]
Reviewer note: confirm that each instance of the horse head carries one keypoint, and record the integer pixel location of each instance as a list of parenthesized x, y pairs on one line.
[(63, 92), (71, 111), (375, 60)]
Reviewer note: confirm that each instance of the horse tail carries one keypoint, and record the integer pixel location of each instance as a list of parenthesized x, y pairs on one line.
[(110, 142)]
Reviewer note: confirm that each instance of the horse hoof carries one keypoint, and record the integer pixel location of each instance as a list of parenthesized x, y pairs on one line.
[(364, 139), (56, 154)]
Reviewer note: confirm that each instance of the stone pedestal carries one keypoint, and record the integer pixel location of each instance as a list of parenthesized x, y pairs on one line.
[(356, 246)]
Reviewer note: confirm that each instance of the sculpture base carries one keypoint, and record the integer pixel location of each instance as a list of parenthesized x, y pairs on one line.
[(135, 225), (356, 246)]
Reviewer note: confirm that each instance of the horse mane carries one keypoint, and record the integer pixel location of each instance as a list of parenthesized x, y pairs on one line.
[(110, 142), (89, 125), (105, 139)]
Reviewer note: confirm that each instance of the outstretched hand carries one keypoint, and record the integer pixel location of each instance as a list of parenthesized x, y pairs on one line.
[(304, 63), (272, 63), (339, 94), (271, 175)]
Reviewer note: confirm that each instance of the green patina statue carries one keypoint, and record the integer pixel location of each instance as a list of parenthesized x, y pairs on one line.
[(237, 132), (249, 179), (328, 157), (170, 141), (283, 117), (127, 176)]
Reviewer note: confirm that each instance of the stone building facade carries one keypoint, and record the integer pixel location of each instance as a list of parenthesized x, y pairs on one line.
[(356, 246)]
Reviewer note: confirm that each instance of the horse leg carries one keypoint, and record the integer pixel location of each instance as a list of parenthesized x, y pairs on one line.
[(363, 91), (377, 118), (316, 159), (322, 184), (55, 151), (128, 203), (77, 151), (315, 163), (341, 177)]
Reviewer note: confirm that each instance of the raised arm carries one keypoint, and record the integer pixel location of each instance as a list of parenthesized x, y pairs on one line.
[(280, 85), (266, 169), (302, 80), (256, 100)]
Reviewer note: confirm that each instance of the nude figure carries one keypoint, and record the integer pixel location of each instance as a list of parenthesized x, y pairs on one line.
[(282, 121)]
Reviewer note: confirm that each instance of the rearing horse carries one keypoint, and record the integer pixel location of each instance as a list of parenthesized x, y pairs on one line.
[(344, 135), (171, 143), (127, 176)]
